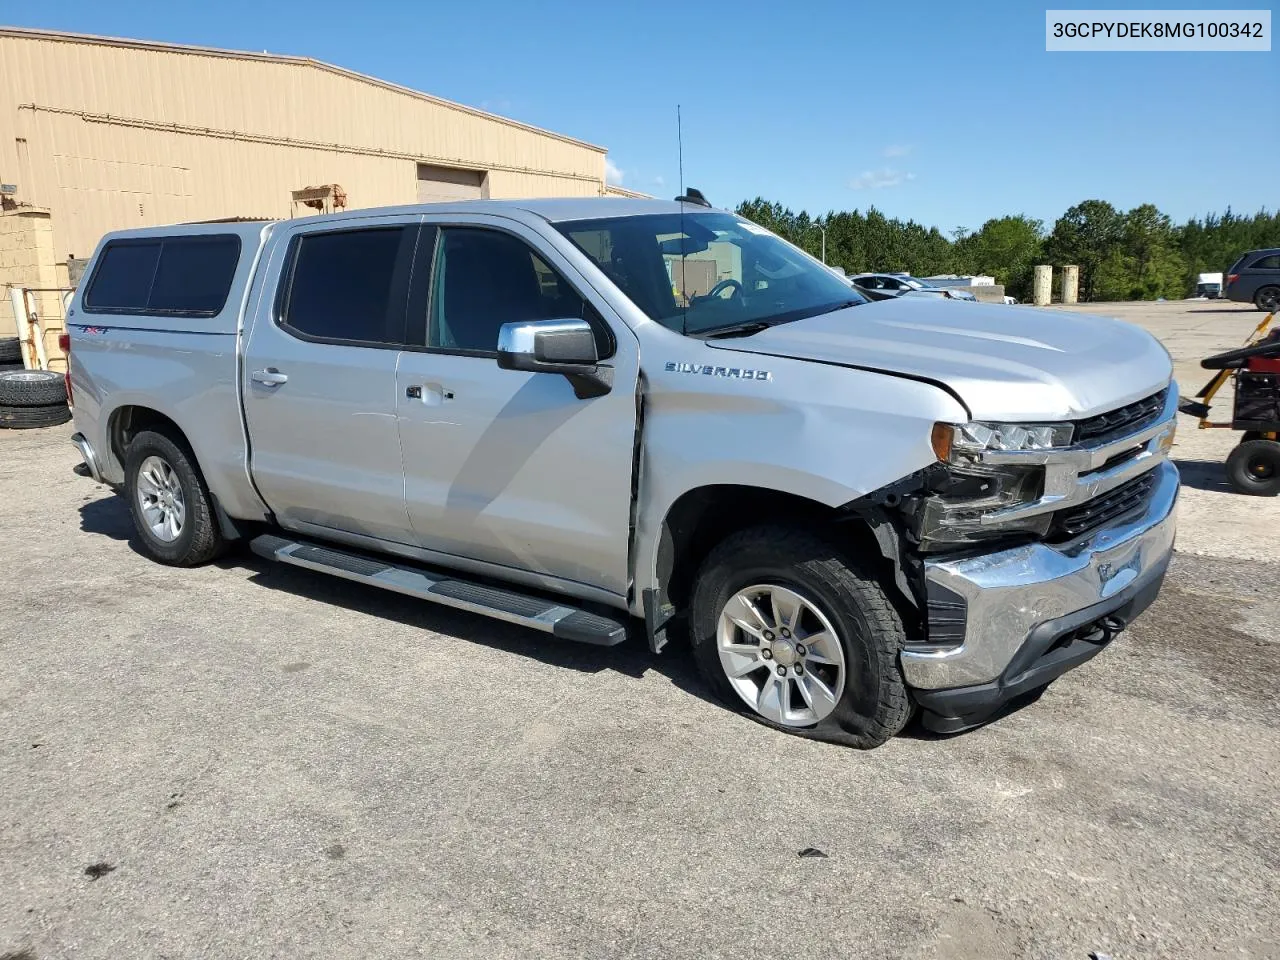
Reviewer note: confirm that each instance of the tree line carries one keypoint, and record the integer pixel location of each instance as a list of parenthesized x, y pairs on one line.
[(1140, 254)]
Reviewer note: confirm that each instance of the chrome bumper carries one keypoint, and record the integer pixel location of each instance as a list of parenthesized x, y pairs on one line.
[(89, 456), (1006, 595)]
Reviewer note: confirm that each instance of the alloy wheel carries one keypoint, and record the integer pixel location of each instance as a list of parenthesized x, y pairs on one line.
[(781, 655), (160, 499)]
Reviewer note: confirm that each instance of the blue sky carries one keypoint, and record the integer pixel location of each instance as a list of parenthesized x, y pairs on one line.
[(945, 113)]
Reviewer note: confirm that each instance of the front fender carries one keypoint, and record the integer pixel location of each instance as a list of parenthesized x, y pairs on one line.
[(825, 433)]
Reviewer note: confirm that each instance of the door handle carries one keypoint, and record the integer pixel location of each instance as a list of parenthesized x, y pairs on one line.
[(270, 377), (432, 394)]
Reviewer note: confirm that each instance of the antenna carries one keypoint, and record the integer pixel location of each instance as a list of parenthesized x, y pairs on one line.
[(680, 147), (684, 282)]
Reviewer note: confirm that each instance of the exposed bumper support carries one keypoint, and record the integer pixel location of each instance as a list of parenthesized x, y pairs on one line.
[(1008, 596)]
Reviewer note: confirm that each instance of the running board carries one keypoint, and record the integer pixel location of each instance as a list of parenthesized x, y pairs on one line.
[(549, 616)]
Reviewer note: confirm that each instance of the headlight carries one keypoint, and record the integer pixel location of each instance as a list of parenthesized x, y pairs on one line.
[(966, 504), (962, 442)]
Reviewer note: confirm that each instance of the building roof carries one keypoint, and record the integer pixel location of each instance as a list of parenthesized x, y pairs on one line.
[(182, 48)]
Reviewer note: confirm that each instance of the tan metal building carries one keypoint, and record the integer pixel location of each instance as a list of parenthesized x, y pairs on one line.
[(98, 134)]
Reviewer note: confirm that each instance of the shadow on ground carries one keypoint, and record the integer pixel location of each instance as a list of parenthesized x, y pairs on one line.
[(1204, 475), (109, 517)]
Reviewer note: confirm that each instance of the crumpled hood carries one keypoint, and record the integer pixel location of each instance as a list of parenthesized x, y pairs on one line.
[(1004, 362)]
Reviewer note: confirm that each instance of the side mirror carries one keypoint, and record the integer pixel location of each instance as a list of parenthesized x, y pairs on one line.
[(566, 347)]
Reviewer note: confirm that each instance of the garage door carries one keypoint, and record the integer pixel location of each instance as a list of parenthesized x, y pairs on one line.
[(437, 184)]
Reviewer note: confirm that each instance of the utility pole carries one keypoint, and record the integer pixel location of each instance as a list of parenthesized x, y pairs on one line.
[(824, 239)]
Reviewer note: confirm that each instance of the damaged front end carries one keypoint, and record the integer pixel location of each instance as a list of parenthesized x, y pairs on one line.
[(1026, 549)]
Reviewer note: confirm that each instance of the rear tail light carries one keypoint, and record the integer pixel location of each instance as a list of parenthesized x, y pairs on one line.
[(1232, 278), (64, 344)]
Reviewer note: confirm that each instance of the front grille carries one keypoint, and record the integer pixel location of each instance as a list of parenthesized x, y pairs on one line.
[(1112, 505), (1129, 418)]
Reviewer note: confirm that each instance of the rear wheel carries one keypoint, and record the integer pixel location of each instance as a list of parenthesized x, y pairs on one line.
[(170, 503), (786, 626), (1254, 468), (1267, 299)]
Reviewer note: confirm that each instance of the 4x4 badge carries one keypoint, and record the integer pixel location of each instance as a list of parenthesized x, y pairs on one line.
[(707, 370)]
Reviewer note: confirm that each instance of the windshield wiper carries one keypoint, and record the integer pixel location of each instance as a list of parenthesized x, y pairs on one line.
[(737, 330)]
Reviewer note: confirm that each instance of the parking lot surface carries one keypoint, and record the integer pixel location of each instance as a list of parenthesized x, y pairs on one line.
[(253, 761)]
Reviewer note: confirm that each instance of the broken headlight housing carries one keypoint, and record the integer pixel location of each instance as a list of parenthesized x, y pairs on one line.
[(976, 498)]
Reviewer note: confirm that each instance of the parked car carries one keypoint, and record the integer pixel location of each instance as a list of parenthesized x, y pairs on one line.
[(854, 510), (1255, 278), (897, 284), (875, 294)]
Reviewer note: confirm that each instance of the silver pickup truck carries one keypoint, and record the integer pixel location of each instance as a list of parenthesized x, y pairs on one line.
[(586, 416)]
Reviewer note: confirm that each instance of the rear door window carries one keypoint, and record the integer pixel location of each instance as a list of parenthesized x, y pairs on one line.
[(165, 276), (1270, 262), (349, 286)]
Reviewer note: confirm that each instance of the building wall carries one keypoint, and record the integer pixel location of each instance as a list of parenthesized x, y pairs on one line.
[(108, 134), (27, 260)]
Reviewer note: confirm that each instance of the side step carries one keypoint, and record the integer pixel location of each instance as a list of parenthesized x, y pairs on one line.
[(549, 616)]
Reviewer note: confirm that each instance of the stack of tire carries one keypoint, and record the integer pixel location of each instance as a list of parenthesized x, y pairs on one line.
[(29, 398)]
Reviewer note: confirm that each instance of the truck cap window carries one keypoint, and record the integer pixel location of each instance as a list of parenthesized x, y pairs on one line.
[(485, 278), (164, 276), (349, 285), (700, 273)]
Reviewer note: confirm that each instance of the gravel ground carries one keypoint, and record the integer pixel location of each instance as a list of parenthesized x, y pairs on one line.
[(252, 761)]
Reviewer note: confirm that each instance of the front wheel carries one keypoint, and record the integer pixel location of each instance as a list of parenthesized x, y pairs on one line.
[(170, 503), (785, 626)]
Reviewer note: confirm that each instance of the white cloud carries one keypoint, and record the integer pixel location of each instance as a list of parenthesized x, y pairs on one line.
[(896, 150), (659, 181), (877, 179), (612, 174)]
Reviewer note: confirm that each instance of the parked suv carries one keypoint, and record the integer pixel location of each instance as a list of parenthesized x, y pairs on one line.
[(1255, 278), (853, 510)]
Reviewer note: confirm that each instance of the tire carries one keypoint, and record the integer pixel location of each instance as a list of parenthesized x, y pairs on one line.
[(1253, 468), (869, 703), (32, 388), (10, 350), (161, 466), (27, 418), (1267, 299), (6, 367)]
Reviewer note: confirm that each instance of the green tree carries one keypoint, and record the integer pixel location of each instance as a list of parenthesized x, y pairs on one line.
[(1122, 256), (1007, 248), (1157, 267), (1086, 235)]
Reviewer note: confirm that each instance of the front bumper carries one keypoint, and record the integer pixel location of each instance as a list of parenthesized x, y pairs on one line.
[(1005, 613)]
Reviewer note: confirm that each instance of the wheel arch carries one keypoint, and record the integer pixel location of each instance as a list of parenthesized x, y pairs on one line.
[(128, 420), (703, 517)]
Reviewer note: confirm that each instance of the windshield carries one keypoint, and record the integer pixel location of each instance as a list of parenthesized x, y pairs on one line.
[(698, 273)]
